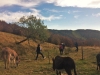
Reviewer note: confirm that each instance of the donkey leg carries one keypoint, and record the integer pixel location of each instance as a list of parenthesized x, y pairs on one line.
[(75, 71), (68, 72), (97, 66), (58, 72), (5, 62)]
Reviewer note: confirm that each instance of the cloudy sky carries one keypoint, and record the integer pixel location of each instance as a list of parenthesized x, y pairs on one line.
[(56, 14)]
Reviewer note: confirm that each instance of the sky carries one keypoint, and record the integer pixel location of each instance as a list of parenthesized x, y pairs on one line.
[(56, 14)]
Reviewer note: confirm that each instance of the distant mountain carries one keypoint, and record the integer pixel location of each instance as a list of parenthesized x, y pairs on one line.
[(81, 33), (88, 36)]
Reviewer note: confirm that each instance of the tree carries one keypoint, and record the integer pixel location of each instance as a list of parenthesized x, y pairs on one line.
[(36, 29)]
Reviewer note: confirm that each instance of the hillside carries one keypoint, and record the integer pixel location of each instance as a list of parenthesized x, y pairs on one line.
[(8, 39)]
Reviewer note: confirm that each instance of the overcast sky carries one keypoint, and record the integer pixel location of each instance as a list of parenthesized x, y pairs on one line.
[(56, 14)]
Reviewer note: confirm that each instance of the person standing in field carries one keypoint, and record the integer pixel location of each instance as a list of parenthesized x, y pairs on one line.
[(76, 45), (63, 44), (61, 49), (38, 51)]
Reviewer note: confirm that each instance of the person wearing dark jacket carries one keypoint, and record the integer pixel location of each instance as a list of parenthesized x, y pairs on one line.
[(76, 45), (38, 51)]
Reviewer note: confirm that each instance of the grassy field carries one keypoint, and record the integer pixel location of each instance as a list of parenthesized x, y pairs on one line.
[(29, 66)]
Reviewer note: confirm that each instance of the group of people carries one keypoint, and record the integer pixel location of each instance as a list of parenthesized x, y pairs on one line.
[(61, 49)]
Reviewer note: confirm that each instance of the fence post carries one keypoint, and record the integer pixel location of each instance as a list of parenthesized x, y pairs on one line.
[(82, 52), (49, 57)]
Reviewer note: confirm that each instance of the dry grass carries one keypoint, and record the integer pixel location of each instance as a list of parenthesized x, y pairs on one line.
[(29, 66)]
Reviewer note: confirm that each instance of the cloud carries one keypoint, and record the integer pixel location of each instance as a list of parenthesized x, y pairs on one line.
[(15, 16), (76, 3), (86, 15), (69, 12), (62, 3), (53, 10), (12, 16), (76, 16), (23, 3), (76, 11), (95, 2), (49, 18), (96, 15), (52, 17)]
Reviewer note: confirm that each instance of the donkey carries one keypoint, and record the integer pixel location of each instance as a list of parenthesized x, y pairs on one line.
[(9, 56), (98, 61), (66, 63)]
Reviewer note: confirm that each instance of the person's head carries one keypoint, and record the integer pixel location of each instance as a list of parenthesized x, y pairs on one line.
[(38, 45)]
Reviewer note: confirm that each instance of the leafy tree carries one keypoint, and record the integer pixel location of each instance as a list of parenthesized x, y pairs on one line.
[(36, 29)]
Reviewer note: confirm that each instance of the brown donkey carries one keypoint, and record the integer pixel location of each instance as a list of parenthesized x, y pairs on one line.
[(9, 56)]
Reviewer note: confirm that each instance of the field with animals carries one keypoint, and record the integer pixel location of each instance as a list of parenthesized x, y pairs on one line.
[(29, 66)]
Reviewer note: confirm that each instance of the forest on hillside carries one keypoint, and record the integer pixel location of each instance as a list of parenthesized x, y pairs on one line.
[(69, 37)]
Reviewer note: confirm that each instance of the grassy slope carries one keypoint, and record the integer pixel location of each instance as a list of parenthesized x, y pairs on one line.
[(29, 66)]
